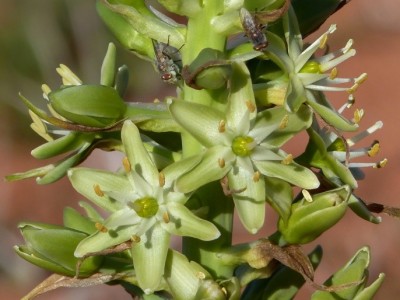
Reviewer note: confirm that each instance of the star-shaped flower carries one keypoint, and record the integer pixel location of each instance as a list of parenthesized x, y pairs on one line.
[(244, 146), (144, 209)]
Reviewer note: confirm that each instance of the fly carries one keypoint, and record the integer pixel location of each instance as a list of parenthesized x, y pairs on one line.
[(168, 62), (253, 30)]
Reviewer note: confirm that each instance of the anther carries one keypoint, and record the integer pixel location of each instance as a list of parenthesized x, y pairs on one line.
[(200, 275), (135, 238), (307, 196), (166, 218), (98, 190), (126, 164), (358, 114), (284, 122), (100, 227), (374, 149), (287, 160), (256, 176), (221, 126), (221, 162), (161, 179), (333, 73), (381, 164), (250, 106), (351, 100)]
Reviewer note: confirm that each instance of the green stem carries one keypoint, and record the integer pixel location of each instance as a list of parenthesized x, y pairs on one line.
[(201, 35)]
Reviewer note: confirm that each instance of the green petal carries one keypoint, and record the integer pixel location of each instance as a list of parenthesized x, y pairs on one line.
[(332, 117), (249, 203), (241, 96), (292, 173), (182, 276), (295, 94), (370, 291), (84, 180), (149, 256), (199, 120), (184, 223), (279, 195), (100, 241), (207, 170), (138, 156), (173, 171)]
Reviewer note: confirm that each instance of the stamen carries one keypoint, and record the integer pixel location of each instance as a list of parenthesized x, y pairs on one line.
[(375, 147), (307, 196), (348, 46), (250, 106), (287, 160), (333, 73), (256, 176), (284, 122), (46, 91), (98, 190), (221, 126), (361, 79), (135, 238), (200, 275), (325, 66), (161, 179), (351, 100), (126, 164), (381, 164), (358, 114), (365, 133), (221, 162), (166, 217), (100, 227)]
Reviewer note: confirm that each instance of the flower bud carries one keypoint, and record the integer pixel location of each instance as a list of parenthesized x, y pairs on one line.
[(88, 105), (309, 219), (208, 71), (52, 247)]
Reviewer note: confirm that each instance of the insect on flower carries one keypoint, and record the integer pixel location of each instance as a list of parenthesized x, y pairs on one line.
[(168, 62), (253, 30)]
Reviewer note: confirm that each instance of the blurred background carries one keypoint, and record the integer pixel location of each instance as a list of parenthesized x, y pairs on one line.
[(36, 36)]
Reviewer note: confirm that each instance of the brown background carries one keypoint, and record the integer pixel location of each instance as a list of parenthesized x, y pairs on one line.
[(31, 29)]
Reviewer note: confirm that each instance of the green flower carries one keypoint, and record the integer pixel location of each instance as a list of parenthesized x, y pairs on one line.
[(305, 74), (144, 209), (244, 146)]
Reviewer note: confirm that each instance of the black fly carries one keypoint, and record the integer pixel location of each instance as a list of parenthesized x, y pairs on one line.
[(253, 30), (168, 62)]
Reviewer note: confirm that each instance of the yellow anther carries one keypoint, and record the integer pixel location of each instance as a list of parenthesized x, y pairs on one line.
[(256, 176), (200, 275), (250, 106), (358, 114), (100, 227), (156, 100), (166, 217), (284, 122), (381, 164), (223, 289), (333, 73), (287, 160), (221, 126), (135, 238), (307, 196), (323, 41), (360, 79), (46, 89), (221, 162), (353, 89), (374, 149), (126, 164), (98, 190), (161, 179)]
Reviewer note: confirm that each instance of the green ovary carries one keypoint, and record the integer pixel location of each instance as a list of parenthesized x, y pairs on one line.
[(243, 145), (311, 67), (145, 207)]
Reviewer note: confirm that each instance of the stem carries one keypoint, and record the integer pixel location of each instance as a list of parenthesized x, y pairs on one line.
[(201, 35)]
